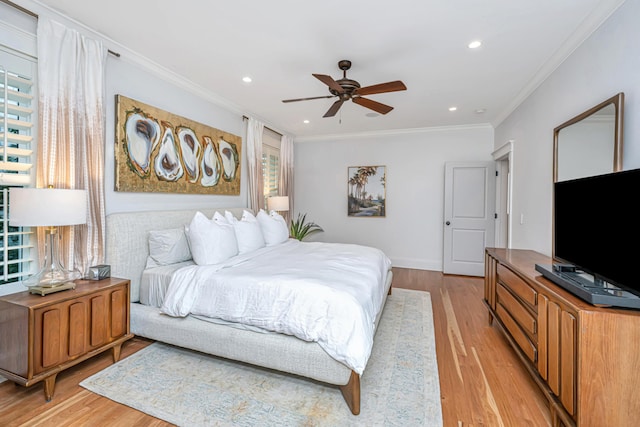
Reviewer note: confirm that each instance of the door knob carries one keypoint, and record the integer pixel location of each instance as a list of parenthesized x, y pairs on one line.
[(448, 222)]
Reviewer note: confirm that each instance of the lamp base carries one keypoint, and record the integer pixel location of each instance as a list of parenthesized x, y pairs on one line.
[(45, 290), (51, 278), (52, 274)]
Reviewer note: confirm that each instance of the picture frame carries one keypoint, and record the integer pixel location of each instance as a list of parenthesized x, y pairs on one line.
[(366, 191), (158, 151)]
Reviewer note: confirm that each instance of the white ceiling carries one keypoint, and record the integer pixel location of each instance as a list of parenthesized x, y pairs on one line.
[(280, 43)]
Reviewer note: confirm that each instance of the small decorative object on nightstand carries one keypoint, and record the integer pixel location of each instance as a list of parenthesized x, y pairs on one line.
[(99, 272), (41, 336)]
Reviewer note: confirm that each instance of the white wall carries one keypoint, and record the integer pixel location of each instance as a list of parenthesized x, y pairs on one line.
[(605, 64), (411, 233)]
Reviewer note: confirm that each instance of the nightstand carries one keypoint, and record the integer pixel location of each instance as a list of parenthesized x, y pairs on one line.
[(41, 336)]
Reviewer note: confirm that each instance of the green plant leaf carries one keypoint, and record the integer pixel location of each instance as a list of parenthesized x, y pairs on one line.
[(300, 228)]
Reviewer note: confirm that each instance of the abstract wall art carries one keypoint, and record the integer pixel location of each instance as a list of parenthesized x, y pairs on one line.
[(157, 151)]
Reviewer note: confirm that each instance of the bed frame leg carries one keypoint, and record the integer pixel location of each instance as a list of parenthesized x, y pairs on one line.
[(351, 393)]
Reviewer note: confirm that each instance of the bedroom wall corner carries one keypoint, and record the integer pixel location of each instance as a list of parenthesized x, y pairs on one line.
[(605, 64)]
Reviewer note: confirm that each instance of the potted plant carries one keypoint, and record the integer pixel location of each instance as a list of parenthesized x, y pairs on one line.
[(299, 229)]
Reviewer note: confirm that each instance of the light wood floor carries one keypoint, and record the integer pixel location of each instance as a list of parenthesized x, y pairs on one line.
[(482, 382)]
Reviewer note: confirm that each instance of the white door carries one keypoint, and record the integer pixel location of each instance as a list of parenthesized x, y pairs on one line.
[(469, 216)]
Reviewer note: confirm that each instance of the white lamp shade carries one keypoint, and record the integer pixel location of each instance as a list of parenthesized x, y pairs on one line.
[(278, 203), (46, 207)]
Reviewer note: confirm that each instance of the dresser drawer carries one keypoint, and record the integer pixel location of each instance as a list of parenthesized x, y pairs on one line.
[(519, 313), (518, 286), (518, 334)]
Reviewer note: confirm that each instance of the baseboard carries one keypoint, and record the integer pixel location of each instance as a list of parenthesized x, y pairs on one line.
[(418, 264)]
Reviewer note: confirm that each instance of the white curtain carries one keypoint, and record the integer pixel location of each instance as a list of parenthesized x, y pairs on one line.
[(70, 152), (285, 183), (254, 160)]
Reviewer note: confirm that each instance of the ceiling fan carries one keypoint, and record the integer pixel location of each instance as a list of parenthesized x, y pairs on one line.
[(346, 89)]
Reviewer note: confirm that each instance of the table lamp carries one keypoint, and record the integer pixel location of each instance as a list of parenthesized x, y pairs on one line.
[(50, 208), (278, 203)]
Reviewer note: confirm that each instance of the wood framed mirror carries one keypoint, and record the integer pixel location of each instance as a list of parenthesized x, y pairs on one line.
[(590, 143)]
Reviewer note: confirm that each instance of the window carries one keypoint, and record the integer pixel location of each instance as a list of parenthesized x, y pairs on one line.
[(16, 133), (270, 163), (18, 117)]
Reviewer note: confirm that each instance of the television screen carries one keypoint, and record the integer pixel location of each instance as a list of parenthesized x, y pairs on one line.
[(595, 226)]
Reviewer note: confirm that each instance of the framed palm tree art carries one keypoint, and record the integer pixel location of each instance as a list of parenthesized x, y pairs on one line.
[(367, 191)]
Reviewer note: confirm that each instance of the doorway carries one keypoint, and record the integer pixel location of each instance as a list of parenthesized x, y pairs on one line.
[(469, 216), (504, 168)]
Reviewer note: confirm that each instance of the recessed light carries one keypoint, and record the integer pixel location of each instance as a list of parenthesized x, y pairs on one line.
[(305, 122), (247, 79), (480, 111), (475, 44), (453, 108), (372, 114)]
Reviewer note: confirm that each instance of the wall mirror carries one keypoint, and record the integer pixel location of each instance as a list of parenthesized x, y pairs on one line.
[(590, 143)]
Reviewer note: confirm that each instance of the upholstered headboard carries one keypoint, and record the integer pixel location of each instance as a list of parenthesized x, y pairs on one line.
[(127, 246)]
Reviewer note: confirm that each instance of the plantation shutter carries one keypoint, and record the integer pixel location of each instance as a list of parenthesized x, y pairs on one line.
[(17, 130)]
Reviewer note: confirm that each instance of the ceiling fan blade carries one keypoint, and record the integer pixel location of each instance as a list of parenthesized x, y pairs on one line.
[(381, 88), (334, 108), (328, 80), (373, 105), (307, 99)]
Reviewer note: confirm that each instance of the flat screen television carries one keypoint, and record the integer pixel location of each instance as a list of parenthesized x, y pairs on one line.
[(596, 227)]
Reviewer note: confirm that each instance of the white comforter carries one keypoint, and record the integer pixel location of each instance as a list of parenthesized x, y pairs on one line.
[(329, 293)]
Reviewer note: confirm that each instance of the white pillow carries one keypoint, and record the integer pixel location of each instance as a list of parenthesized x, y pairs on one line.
[(248, 232), (219, 218), (167, 247), (274, 227), (211, 242)]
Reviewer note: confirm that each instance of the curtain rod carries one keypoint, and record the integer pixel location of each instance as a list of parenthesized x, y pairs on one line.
[(266, 127), (20, 8), (35, 15)]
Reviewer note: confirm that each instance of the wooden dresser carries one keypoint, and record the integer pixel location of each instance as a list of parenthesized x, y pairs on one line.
[(43, 335), (585, 359)]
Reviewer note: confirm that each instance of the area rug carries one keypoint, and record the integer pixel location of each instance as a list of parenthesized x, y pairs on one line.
[(399, 387)]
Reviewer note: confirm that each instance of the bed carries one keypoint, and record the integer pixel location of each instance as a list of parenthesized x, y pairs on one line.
[(127, 252)]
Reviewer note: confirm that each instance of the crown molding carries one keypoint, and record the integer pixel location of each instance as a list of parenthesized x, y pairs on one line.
[(394, 132), (590, 24)]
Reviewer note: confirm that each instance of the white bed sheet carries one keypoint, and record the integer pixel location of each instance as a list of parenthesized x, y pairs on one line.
[(329, 293), (153, 288), (155, 281)]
